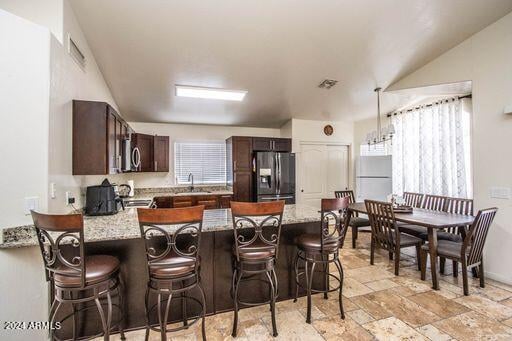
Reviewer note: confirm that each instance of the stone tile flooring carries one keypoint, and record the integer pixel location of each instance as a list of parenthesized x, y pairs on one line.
[(378, 306)]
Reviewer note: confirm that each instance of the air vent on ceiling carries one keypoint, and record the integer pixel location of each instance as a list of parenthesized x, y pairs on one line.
[(327, 84), (75, 52)]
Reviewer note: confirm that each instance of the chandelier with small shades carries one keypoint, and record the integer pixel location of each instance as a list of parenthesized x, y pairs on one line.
[(381, 134)]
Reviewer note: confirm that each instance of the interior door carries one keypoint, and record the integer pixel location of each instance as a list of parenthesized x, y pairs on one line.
[(322, 170), (337, 169), (313, 174)]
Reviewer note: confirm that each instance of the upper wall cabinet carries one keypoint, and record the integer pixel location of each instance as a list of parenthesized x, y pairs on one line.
[(268, 144), (98, 134), (98, 131)]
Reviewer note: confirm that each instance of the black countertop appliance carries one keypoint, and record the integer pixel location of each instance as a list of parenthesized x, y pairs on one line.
[(102, 200), (275, 177)]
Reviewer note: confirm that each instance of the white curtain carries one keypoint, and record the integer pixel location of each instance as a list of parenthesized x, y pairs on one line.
[(431, 150)]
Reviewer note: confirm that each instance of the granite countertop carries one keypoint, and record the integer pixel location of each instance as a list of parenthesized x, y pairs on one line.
[(124, 225)]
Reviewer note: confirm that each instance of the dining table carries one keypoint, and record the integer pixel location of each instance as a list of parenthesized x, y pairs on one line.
[(430, 219)]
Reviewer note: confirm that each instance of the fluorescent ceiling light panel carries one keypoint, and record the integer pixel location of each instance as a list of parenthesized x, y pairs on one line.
[(210, 93)]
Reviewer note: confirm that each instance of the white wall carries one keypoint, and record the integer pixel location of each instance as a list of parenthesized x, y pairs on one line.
[(485, 59), (47, 13), (69, 81), (24, 103)]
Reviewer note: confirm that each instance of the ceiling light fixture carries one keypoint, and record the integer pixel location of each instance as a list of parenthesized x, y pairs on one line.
[(210, 93), (382, 134)]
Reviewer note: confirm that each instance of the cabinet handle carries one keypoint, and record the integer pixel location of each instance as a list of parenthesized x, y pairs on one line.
[(156, 166), (234, 165)]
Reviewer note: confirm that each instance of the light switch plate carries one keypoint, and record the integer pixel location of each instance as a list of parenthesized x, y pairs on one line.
[(31, 203), (508, 110), (500, 192)]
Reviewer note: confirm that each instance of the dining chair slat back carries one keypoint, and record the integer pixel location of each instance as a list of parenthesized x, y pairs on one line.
[(477, 235), (383, 224), (434, 202), (413, 199)]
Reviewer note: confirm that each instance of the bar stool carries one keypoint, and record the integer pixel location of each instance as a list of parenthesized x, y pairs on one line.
[(257, 229), (77, 279), (323, 248), (173, 263)]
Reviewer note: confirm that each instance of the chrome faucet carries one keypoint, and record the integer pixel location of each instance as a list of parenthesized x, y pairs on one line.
[(191, 179)]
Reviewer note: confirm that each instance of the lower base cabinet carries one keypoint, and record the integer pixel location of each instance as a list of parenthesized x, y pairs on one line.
[(209, 201)]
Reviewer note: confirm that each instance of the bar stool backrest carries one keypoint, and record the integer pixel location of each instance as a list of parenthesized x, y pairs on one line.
[(264, 217), (413, 199), (383, 223), (477, 234), (333, 210), (54, 231), (181, 229), (434, 202)]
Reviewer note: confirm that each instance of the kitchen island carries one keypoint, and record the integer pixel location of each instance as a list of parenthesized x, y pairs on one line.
[(119, 235)]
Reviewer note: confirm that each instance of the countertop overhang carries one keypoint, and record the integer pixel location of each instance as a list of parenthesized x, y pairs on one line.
[(125, 225)]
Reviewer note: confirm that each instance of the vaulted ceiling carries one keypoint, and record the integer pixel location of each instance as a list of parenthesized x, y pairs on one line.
[(277, 50)]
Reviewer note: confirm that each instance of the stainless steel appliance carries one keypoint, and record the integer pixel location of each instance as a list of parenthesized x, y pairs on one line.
[(275, 177), (130, 156), (373, 177)]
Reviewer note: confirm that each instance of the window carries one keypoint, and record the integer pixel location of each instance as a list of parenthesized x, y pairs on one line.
[(206, 160)]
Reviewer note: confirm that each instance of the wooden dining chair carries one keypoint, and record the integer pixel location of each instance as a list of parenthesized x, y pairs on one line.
[(357, 223), (413, 199), (434, 202), (386, 234), (469, 252), (457, 233)]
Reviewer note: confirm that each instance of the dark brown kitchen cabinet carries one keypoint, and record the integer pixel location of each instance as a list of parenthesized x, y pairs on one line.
[(154, 152), (161, 153), (97, 138), (239, 166), (270, 144)]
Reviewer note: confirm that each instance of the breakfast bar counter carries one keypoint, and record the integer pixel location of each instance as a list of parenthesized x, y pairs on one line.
[(119, 235)]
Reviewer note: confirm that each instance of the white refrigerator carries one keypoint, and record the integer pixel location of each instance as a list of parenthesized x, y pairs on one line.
[(373, 177)]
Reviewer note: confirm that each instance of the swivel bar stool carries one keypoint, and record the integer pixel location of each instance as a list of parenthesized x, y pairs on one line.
[(172, 238), (75, 278), (323, 248), (257, 228)]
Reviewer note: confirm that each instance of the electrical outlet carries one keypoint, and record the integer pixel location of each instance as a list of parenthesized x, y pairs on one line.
[(31, 204), (70, 199)]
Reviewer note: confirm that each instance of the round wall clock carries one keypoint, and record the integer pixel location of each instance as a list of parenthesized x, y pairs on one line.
[(328, 130)]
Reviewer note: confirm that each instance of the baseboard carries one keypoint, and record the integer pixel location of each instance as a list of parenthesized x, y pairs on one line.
[(499, 277)]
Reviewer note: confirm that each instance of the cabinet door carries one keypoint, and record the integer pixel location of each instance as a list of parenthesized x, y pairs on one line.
[(282, 145), (242, 184), (111, 143), (210, 202), (224, 201), (242, 154), (182, 201), (163, 202), (261, 144), (145, 144), (161, 153)]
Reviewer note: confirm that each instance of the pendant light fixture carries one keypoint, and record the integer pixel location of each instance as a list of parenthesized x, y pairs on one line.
[(382, 134)]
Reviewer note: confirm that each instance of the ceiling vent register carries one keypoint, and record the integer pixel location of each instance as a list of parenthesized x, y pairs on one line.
[(327, 84)]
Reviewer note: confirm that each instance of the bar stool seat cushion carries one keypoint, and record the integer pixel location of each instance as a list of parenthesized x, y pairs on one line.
[(446, 248), (359, 222), (256, 251), (98, 268), (312, 243), (172, 266)]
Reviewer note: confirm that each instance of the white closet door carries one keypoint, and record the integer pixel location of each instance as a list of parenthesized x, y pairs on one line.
[(322, 169)]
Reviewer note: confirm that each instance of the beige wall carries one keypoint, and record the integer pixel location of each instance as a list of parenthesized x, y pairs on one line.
[(485, 59), (24, 84), (69, 81)]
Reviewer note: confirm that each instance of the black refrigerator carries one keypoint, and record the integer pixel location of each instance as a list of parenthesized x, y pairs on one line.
[(275, 177)]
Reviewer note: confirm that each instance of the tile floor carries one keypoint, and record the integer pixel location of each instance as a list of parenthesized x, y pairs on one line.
[(378, 306)]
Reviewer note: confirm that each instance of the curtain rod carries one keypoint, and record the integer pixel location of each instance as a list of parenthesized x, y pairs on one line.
[(427, 105)]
